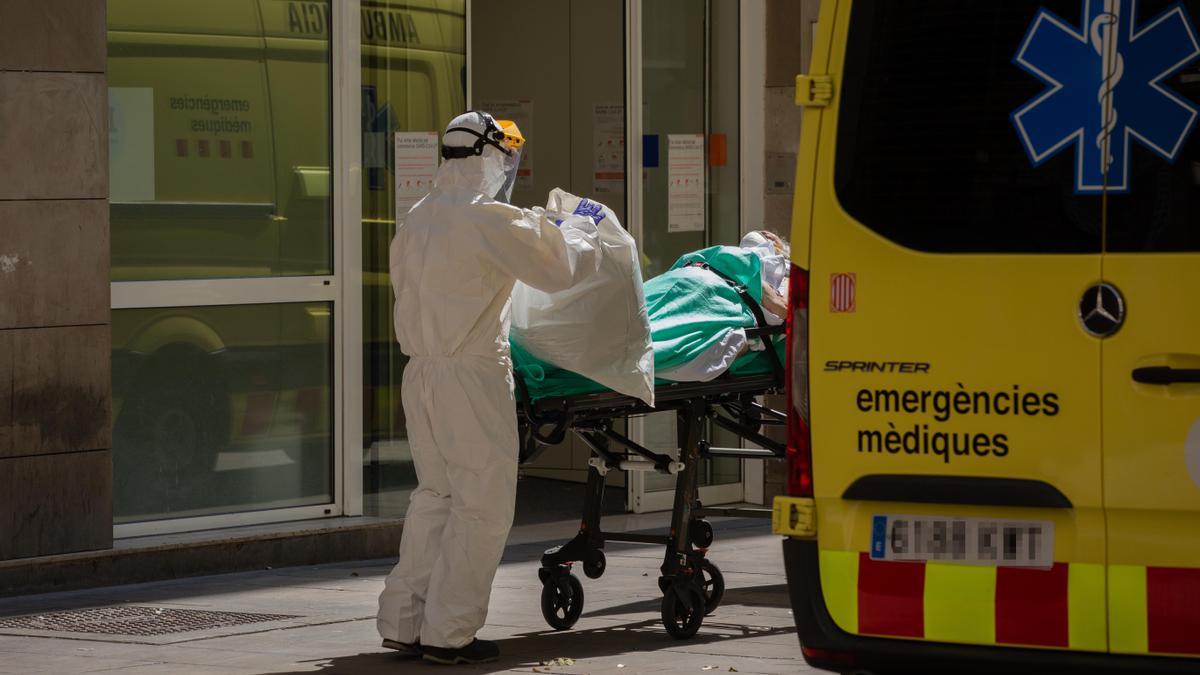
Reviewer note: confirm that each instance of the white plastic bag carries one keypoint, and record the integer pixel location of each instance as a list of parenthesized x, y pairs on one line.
[(599, 327)]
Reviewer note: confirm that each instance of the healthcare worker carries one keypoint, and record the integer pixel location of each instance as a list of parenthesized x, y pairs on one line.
[(454, 260)]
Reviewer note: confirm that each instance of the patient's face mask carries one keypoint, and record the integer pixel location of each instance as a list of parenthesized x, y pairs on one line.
[(761, 239)]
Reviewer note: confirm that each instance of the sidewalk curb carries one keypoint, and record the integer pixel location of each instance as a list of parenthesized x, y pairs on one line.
[(156, 562)]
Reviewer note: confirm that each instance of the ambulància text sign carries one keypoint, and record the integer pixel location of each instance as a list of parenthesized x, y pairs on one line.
[(972, 541)]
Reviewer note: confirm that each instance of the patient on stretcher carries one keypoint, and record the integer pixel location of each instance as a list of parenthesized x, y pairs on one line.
[(698, 318)]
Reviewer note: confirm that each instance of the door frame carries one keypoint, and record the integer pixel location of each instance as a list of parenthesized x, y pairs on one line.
[(751, 82), (342, 289)]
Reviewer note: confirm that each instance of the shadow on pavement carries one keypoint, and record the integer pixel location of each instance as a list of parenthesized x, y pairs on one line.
[(749, 596), (528, 650)]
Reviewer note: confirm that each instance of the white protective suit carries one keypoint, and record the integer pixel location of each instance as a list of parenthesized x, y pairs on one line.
[(454, 261)]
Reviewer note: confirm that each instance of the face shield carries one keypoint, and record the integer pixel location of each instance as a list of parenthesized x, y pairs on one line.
[(511, 145)]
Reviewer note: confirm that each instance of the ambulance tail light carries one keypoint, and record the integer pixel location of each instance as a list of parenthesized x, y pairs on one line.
[(799, 437)]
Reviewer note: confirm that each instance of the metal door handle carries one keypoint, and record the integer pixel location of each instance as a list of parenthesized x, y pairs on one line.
[(1165, 375)]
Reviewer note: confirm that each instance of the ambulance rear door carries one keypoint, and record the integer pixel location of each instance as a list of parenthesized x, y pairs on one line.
[(955, 397), (1147, 306)]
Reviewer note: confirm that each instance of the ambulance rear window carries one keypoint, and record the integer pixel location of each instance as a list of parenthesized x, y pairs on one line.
[(927, 154)]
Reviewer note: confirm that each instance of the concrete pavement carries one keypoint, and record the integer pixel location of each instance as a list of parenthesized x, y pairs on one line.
[(328, 625)]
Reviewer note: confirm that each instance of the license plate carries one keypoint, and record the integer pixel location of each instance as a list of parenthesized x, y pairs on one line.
[(977, 541)]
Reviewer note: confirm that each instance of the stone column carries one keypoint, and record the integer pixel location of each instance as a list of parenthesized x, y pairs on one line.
[(55, 392)]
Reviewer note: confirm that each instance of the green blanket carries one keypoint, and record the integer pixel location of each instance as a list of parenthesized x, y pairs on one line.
[(689, 310)]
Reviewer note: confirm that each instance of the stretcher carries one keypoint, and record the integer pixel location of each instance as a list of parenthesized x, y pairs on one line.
[(692, 586)]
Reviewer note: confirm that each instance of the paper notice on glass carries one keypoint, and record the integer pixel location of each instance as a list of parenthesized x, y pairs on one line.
[(131, 144), (416, 162), (685, 183), (521, 112), (608, 147)]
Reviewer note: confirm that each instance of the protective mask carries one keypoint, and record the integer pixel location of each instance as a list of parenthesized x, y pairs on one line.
[(753, 240), (511, 162)]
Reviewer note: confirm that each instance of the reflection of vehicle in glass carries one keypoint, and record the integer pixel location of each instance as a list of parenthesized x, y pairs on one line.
[(1002, 471), (220, 156), (187, 395)]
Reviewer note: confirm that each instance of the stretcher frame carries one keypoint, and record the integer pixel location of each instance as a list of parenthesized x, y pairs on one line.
[(692, 586)]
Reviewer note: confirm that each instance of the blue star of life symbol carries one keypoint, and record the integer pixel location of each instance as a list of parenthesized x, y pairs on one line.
[(1105, 86)]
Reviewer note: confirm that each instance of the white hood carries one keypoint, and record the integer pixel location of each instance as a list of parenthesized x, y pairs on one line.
[(482, 174)]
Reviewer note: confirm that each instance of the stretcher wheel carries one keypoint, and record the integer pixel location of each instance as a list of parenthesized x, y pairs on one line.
[(714, 585), (562, 601), (594, 566), (681, 621), (701, 533)]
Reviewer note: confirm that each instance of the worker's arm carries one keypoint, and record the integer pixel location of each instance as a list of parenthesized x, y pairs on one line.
[(546, 256)]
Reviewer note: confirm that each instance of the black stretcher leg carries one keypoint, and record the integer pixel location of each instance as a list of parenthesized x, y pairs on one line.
[(562, 593), (682, 583), (588, 542)]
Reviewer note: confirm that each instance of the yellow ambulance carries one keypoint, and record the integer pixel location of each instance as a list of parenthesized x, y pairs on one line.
[(994, 341)]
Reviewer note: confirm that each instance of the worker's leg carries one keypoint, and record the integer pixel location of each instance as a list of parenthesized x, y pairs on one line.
[(480, 450), (402, 603)]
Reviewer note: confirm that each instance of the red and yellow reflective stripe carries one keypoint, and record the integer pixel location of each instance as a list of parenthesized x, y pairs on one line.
[(1149, 610), (1032, 606), (891, 598), (1059, 607), (1154, 609)]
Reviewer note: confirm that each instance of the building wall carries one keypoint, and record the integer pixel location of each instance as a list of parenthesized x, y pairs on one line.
[(55, 417)]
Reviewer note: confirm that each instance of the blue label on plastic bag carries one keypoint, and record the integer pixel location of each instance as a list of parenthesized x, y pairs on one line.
[(590, 209), (558, 222)]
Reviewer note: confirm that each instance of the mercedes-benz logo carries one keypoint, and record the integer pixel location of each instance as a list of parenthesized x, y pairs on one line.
[(1102, 310)]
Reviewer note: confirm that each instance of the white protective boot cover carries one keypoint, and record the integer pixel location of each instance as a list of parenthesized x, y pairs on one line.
[(599, 327)]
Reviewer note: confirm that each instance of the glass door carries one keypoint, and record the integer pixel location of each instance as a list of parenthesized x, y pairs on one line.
[(684, 103), (413, 72)]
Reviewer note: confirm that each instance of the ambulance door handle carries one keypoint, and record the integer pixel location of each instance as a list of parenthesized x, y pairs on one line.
[(1166, 375)]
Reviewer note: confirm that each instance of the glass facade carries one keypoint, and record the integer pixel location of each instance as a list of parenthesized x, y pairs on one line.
[(413, 80), (221, 409), (690, 88), (220, 155), (219, 139), (227, 388)]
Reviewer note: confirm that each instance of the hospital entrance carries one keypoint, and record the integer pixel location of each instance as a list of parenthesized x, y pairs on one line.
[(255, 368), (681, 70)]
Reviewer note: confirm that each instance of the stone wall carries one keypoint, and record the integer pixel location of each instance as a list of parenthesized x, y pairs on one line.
[(55, 400)]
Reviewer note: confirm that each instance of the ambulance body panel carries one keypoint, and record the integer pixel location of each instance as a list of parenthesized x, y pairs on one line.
[(986, 469)]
